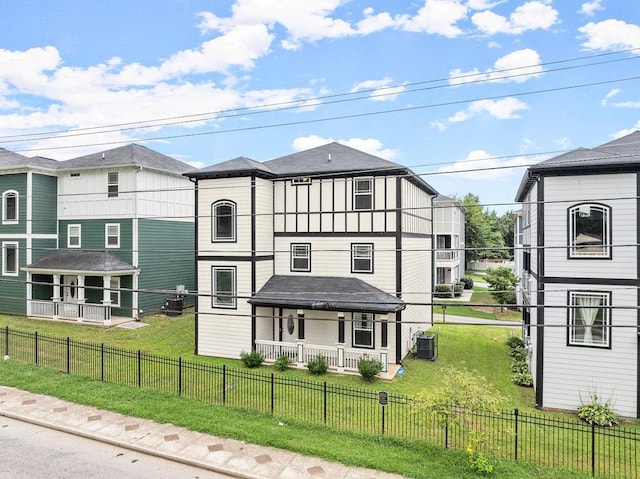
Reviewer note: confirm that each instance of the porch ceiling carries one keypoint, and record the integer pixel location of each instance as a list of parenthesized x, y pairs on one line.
[(81, 262), (325, 293)]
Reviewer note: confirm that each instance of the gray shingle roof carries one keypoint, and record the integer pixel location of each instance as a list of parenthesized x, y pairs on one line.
[(235, 167), (622, 153), (81, 261), (128, 155), (10, 160), (325, 293)]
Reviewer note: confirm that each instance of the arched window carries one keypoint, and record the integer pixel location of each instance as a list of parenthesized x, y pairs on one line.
[(10, 207), (223, 221), (590, 231)]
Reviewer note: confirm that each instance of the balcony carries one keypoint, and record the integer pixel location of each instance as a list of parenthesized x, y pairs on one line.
[(448, 255)]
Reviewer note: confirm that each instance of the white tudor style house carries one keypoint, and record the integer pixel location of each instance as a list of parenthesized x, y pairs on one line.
[(448, 229), (94, 237), (581, 264), (322, 252)]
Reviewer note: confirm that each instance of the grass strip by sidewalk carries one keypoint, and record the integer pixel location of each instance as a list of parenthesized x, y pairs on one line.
[(408, 458)]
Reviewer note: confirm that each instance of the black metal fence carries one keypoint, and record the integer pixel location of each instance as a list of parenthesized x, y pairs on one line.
[(531, 438)]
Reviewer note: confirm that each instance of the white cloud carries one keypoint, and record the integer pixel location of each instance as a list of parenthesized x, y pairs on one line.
[(504, 109), (533, 15), (620, 104), (518, 66), (610, 35), (380, 89), (626, 131), (372, 146), (590, 8), (373, 23), (437, 17), (481, 166)]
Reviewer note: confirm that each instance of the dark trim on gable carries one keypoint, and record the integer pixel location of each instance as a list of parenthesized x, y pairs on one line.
[(195, 260), (540, 297), (604, 281), (398, 235), (334, 234), (236, 258), (253, 259)]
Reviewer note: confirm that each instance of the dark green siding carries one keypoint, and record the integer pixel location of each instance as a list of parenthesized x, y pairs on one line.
[(166, 259), (93, 236), (13, 288), (45, 204)]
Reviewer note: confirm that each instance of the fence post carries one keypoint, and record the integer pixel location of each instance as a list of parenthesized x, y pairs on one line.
[(102, 362), (6, 341), (324, 407), (593, 449), (36, 348), (383, 408), (139, 368), (68, 356), (272, 393), (180, 376), (224, 384), (516, 413), (446, 434)]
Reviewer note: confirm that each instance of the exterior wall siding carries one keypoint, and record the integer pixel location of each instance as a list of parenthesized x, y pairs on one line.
[(44, 205), (93, 236), (165, 260)]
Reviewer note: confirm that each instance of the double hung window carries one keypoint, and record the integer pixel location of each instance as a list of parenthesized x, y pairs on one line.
[(74, 236), (362, 258), (223, 287), (589, 319), (300, 257), (10, 207), (363, 193), (112, 184), (112, 235), (10, 258), (363, 330), (223, 221)]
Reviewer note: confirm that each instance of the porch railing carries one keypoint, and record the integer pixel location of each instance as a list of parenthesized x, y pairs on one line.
[(447, 255), (338, 357), (90, 312)]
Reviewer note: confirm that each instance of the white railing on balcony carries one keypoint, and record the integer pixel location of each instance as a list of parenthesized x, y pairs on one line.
[(338, 357), (447, 255), (90, 312)]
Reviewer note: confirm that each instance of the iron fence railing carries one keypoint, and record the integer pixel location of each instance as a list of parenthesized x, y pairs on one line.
[(531, 438)]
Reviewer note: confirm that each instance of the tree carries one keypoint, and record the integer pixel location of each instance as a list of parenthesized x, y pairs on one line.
[(502, 282), (483, 235)]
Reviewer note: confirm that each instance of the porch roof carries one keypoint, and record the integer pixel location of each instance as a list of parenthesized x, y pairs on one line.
[(325, 293), (66, 261)]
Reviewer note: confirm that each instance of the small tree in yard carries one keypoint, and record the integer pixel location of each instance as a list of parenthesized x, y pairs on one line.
[(502, 283)]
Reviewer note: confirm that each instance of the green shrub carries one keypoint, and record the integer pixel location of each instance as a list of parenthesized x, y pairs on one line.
[(369, 368), (518, 354), (597, 412), (523, 379), (282, 363), (318, 365), (519, 366), (443, 291), (458, 289), (252, 359), (514, 342), (467, 281)]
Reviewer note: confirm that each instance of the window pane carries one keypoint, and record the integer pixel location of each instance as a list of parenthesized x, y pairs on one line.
[(363, 329), (112, 184), (300, 257), (224, 221), (361, 258), (224, 284), (11, 259), (589, 234), (363, 194), (589, 319), (11, 207)]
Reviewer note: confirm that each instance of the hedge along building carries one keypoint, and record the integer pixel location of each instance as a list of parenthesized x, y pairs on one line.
[(110, 233), (322, 252)]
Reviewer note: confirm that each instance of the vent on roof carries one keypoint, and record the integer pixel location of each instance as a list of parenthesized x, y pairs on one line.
[(301, 180), (75, 175)]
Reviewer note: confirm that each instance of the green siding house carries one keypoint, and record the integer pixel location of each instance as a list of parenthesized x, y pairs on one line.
[(105, 235)]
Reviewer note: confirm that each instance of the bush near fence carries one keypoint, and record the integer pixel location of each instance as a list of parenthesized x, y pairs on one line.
[(531, 438)]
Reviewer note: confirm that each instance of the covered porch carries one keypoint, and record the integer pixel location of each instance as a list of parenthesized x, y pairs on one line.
[(82, 286), (342, 319)]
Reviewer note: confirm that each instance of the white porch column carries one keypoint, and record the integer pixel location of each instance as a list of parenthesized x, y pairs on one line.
[(80, 298), (340, 343), (106, 299), (56, 295), (384, 359), (300, 358), (29, 292)]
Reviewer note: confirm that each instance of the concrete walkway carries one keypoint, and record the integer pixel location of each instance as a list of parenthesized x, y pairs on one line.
[(228, 456)]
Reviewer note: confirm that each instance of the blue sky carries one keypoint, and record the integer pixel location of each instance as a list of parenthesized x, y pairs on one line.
[(442, 86)]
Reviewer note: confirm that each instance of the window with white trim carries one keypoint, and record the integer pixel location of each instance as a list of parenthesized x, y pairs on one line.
[(301, 180), (114, 290), (589, 319), (362, 258), (112, 235), (10, 207), (9, 258), (363, 330), (74, 236), (589, 231), (300, 257), (112, 184), (223, 287), (363, 193), (223, 221)]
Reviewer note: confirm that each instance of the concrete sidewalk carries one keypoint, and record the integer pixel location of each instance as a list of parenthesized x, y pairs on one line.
[(228, 456)]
